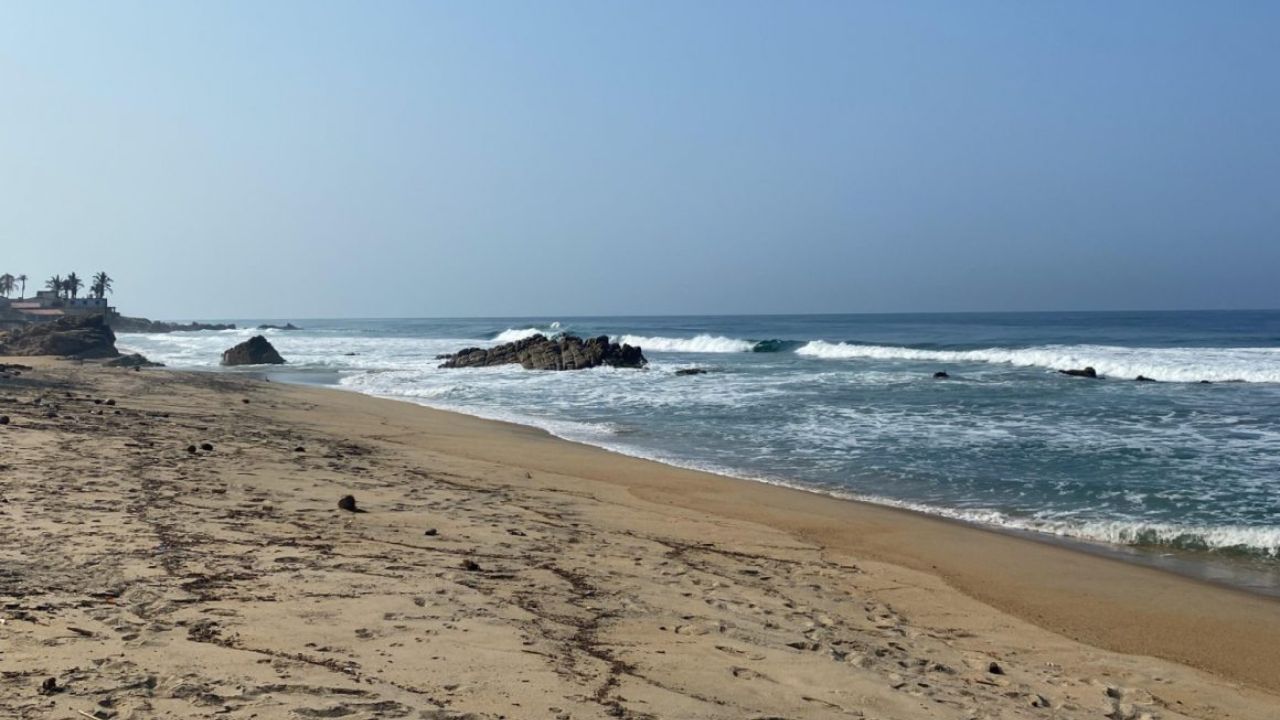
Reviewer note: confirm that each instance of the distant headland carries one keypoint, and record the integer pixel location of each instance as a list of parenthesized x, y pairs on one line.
[(61, 298)]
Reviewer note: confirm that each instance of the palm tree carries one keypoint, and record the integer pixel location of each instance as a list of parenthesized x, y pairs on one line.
[(22, 280), (101, 285), (73, 283), (55, 284), (6, 284)]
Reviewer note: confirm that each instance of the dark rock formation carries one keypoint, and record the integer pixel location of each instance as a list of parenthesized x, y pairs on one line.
[(691, 371), (8, 371), (132, 361), (567, 352), (1144, 378), (941, 375), (348, 503), (78, 336), (1088, 372), (120, 323), (254, 351), (286, 326)]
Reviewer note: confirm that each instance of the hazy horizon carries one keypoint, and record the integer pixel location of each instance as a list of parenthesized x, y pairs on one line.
[(569, 317), (294, 160)]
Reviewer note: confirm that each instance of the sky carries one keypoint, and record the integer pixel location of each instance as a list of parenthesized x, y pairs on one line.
[(385, 159)]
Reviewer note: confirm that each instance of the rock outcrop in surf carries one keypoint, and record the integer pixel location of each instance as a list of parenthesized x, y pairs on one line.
[(123, 324), (1087, 372), (254, 351), (538, 352)]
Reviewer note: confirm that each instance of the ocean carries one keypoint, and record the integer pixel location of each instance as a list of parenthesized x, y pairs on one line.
[(1179, 470)]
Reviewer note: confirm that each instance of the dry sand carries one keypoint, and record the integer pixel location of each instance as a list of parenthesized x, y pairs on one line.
[(560, 581)]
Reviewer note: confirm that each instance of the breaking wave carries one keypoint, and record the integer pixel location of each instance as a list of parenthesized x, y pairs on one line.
[(514, 334), (709, 344), (1258, 365), (698, 344)]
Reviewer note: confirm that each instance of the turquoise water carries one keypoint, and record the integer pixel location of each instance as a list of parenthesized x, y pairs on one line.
[(848, 405)]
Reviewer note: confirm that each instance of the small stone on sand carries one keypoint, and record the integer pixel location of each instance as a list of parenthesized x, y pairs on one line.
[(348, 503), (207, 447)]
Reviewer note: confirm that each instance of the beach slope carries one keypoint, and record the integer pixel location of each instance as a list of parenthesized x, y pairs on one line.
[(171, 545)]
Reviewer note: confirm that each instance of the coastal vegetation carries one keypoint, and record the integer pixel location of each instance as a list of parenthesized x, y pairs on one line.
[(67, 288)]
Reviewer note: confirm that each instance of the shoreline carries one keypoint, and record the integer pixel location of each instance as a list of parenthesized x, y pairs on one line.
[(1220, 570), (498, 571), (1052, 569)]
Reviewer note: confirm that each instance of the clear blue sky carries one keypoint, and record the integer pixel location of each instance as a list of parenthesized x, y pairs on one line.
[(313, 159)]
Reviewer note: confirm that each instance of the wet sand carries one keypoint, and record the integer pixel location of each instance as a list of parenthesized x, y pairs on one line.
[(500, 572)]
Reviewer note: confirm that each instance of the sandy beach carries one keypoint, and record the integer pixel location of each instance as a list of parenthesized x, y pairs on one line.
[(494, 571)]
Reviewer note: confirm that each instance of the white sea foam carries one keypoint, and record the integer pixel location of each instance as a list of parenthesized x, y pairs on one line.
[(697, 344), (1168, 364), (514, 334), (1254, 540)]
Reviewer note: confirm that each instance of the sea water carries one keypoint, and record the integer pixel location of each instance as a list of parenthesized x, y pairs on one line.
[(848, 405)]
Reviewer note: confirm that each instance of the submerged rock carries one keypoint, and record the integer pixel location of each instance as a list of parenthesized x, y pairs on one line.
[(77, 336), (132, 361), (691, 371), (941, 375), (1087, 372), (286, 326), (254, 351), (568, 352), (1144, 378)]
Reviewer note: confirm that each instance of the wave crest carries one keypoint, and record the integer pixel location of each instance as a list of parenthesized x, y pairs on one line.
[(1260, 365), (697, 344), (514, 334)]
